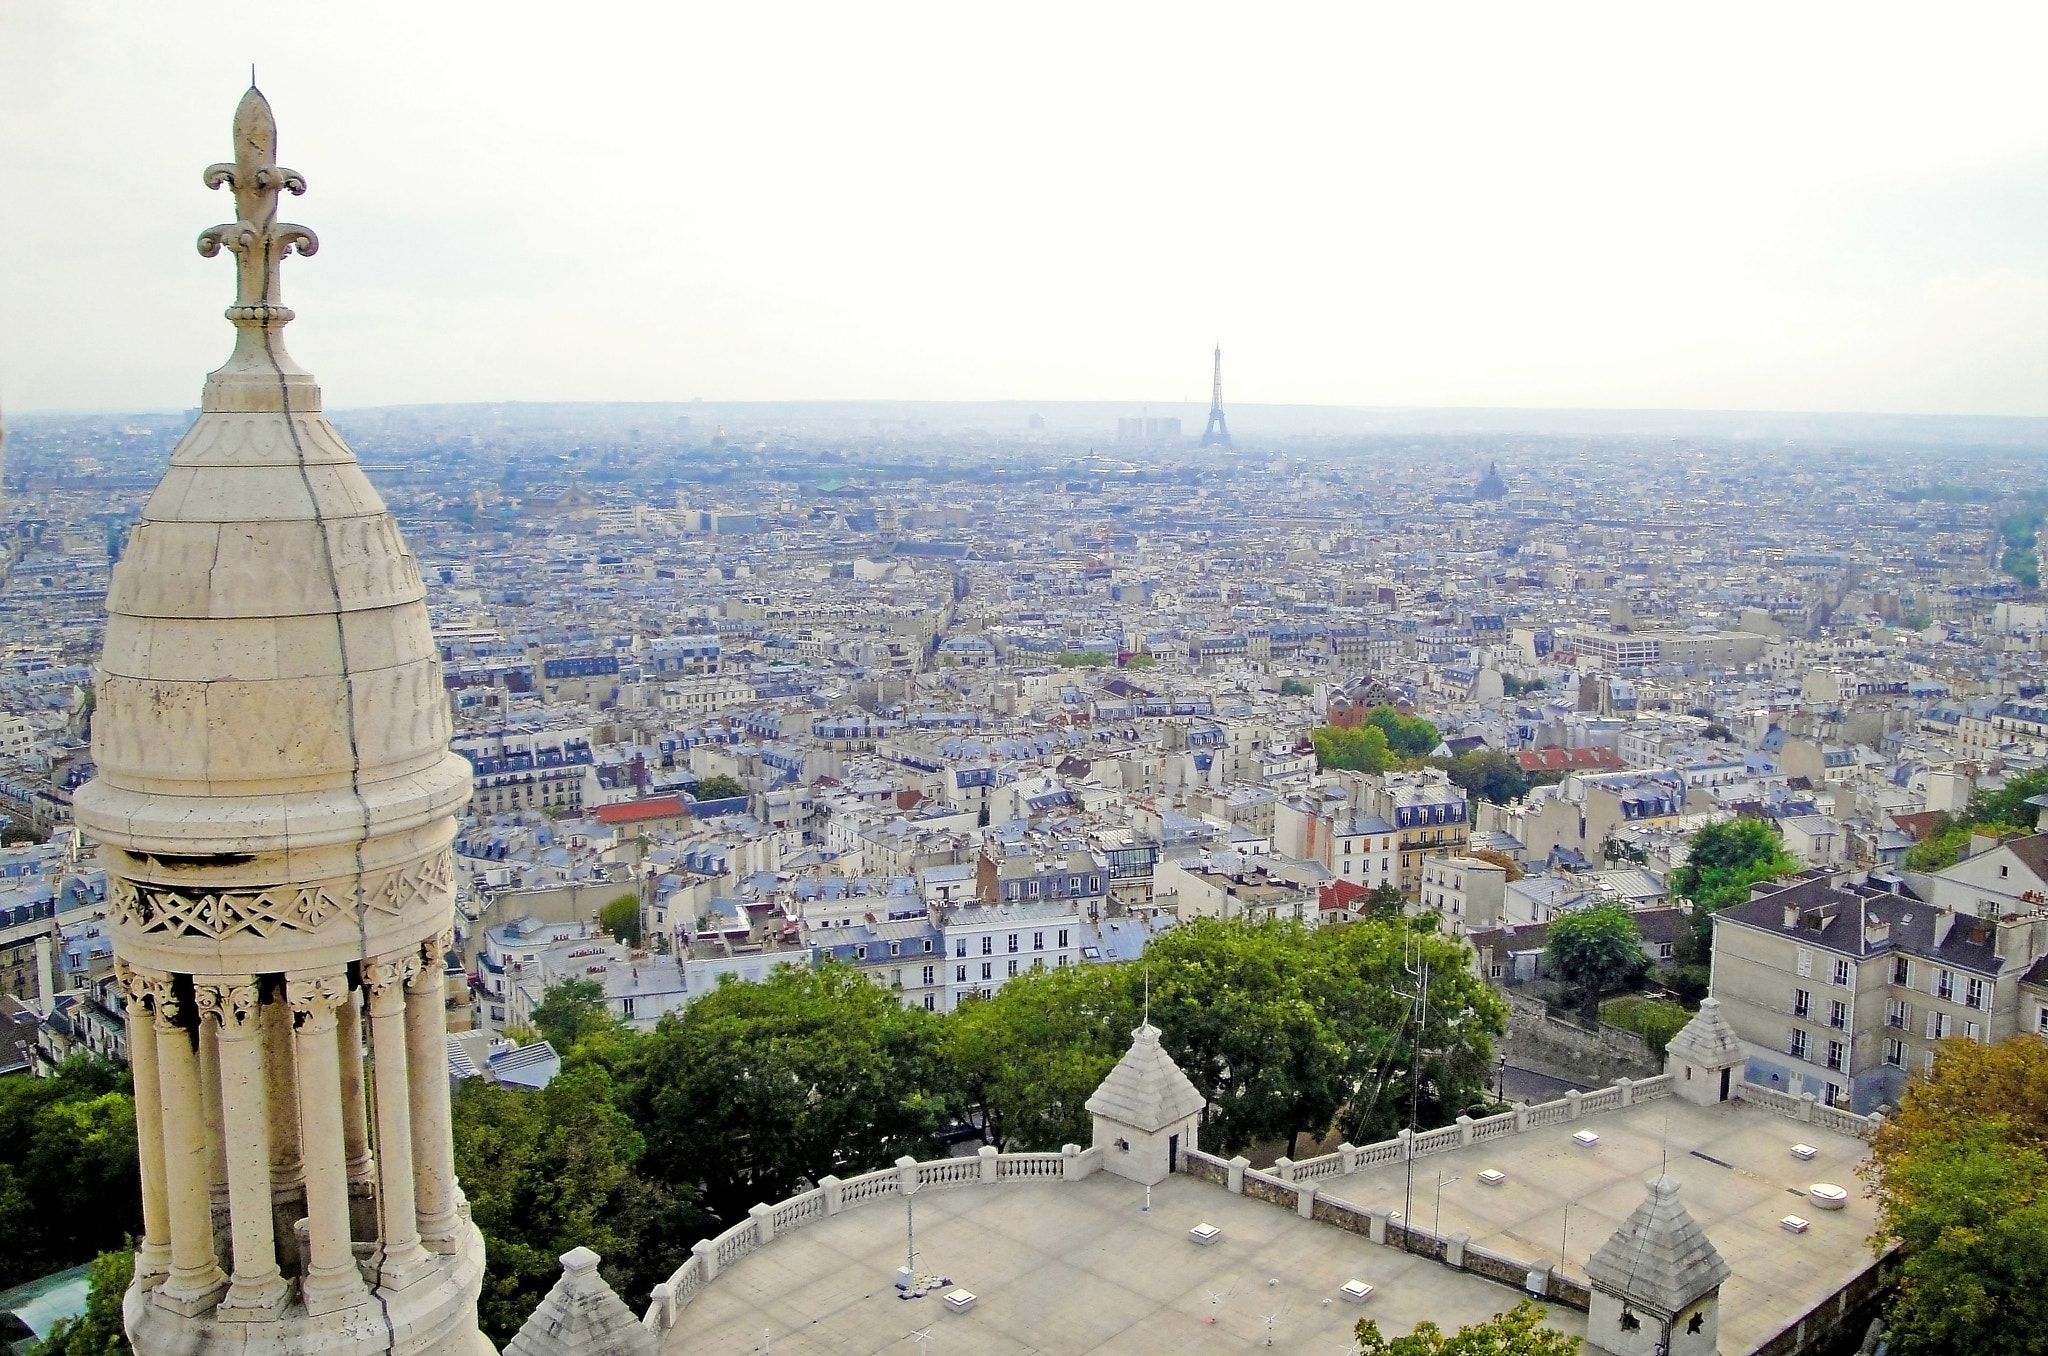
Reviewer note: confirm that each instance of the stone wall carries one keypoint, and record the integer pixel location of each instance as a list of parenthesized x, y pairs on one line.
[(1550, 1045)]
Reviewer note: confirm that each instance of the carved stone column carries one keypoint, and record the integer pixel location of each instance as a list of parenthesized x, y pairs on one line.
[(331, 1281), (153, 1258), (354, 1109), (209, 1098), (433, 1152), (230, 1008), (402, 1259), (195, 1279), (281, 1093)]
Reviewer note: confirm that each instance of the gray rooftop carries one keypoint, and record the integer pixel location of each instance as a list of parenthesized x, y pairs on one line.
[(1146, 1090), (1065, 1268)]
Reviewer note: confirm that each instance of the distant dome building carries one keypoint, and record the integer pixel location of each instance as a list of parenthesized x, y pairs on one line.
[(1490, 485)]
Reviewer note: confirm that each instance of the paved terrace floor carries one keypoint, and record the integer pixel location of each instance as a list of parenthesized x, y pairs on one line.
[(1778, 1275), (1065, 1268)]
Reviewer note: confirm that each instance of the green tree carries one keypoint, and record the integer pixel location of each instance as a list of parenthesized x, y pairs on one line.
[(718, 786), (2008, 805), (1723, 861), (1031, 1056), (621, 918), (98, 1331), (1407, 736), (755, 1091), (1295, 687), (572, 1016), (69, 1186), (1383, 902), (551, 1170), (1656, 1020), (1597, 950), (1359, 749), (1486, 774), (1962, 1186), (1400, 1071), (1514, 1333)]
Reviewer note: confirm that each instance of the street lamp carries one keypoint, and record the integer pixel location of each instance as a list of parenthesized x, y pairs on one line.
[(1500, 1085)]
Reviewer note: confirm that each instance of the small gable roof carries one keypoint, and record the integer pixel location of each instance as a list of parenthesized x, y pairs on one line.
[(1659, 1258), (1146, 1090)]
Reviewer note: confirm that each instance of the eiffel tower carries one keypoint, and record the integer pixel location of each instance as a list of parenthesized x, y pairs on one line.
[(1217, 434)]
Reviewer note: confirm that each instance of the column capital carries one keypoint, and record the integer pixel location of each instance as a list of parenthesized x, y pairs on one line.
[(229, 1002), (385, 979), (150, 990), (433, 957), (314, 997)]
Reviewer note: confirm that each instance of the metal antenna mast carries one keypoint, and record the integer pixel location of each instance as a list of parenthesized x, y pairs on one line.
[(1217, 434), (1420, 969)]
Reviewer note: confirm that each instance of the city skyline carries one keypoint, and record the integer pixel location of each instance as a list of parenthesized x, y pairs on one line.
[(1604, 211)]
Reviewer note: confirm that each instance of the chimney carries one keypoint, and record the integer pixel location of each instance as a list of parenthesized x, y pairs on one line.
[(1791, 915), (1877, 929), (46, 976)]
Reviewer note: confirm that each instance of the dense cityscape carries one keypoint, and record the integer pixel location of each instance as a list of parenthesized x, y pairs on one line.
[(525, 876)]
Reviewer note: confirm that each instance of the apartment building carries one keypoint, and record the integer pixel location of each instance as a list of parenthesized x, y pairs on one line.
[(1428, 813), (1842, 986), (1466, 893)]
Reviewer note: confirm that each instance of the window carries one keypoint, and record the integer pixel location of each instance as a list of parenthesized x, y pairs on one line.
[(1927, 1061), (1095, 885), (1838, 1015), (1895, 1053), (931, 1002), (988, 945), (895, 948), (1013, 941), (1665, 951), (1937, 1026), (1802, 1003), (1798, 1044), (2041, 1020), (1973, 993), (960, 974), (1897, 1014), (1842, 972), (860, 953), (1972, 1032), (960, 946), (928, 974), (988, 970), (1038, 941), (1805, 961), (1831, 1093), (1944, 984), (1837, 1053), (1063, 960), (1063, 936), (927, 946), (626, 1008), (1902, 970), (1013, 969)]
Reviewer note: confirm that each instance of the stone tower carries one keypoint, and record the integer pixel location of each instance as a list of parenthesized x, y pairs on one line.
[(1705, 1059), (1656, 1282), (274, 806), (1145, 1111)]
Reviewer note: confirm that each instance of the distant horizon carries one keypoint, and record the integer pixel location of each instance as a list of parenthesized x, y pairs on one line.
[(1251, 419)]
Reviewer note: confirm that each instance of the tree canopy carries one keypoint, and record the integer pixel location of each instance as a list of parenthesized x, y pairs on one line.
[(718, 786), (551, 1170), (1962, 1185), (621, 918), (1486, 774), (1407, 736), (755, 1091), (100, 1330), (69, 1187), (1361, 748), (1723, 861), (1598, 950), (1518, 1332)]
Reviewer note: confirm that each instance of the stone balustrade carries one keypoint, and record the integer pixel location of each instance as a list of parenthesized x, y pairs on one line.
[(713, 1255)]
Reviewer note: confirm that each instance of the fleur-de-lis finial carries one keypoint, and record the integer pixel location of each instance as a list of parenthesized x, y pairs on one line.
[(258, 240)]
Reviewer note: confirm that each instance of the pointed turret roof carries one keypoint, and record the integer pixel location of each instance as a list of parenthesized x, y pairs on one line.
[(1659, 1258), (581, 1316), (1707, 1040), (1146, 1090)]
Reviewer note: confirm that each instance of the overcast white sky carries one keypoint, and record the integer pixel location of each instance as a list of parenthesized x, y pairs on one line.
[(1804, 207)]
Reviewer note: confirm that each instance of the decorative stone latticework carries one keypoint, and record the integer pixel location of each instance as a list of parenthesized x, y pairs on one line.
[(274, 806)]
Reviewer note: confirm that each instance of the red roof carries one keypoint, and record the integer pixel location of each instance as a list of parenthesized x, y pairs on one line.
[(1339, 895), (634, 811)]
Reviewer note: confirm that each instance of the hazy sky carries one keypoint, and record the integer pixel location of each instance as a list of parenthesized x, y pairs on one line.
[(1825, 207)]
